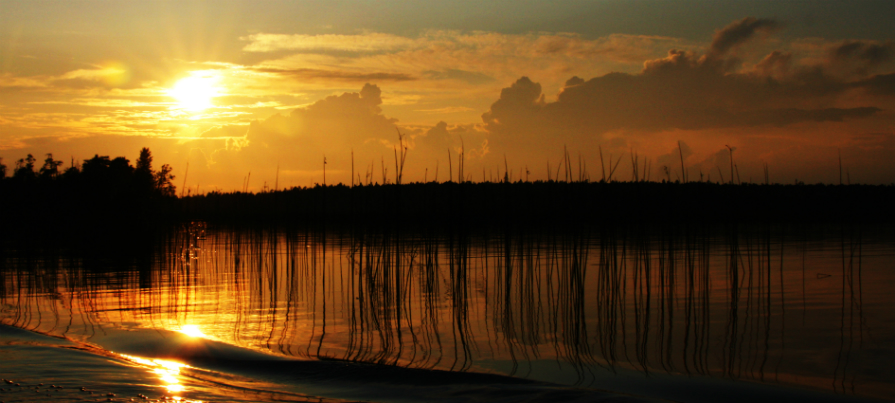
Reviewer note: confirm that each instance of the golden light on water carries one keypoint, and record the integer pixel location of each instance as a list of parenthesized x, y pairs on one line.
[(192, 331), (167, 371), (194, 93)]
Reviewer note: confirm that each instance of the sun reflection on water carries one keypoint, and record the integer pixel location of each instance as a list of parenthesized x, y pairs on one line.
[(168, 372), (192, 331)]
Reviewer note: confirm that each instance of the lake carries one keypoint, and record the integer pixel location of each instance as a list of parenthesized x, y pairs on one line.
[(692, 313)]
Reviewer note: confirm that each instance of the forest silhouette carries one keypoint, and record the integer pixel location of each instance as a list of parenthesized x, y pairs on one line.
[(98, 196), (103, 196)]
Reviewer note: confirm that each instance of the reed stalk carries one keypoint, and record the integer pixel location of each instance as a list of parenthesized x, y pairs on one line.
[(184, 177), (681, 153), (602, 167)]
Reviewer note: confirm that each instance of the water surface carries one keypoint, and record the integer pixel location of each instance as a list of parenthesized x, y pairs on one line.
[(732, 313)]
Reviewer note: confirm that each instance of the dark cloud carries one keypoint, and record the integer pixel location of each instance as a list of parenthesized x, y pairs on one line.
[(882, 84), (782, 117), (574, 81), (856, 59), (685, 91), (776, 64), (737, 33), (871, 53), (523, 95), (688, 99)]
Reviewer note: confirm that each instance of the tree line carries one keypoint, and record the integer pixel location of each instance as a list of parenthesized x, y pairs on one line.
[(99, 173), (100, 200)]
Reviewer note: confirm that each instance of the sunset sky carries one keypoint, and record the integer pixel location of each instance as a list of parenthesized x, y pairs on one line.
[(232, 87)]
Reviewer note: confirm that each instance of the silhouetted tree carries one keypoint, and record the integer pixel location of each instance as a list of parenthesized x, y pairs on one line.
[(2, 169), (103, 175), (144, 163), (121, 172), (96, 165), (164, 181), (72, 171), (25, 168), (50, 168), (144, 179)]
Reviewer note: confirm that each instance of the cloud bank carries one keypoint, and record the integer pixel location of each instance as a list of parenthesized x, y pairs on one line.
[(519, 98), (686, 91)]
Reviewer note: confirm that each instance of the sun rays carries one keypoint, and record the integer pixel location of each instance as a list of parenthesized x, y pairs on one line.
[(195, 93)]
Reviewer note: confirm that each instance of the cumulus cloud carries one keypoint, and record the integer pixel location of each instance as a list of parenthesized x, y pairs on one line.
[(470, 139), (685, 91), (338, 128), (788, 101), (787, 109), (298, 141)]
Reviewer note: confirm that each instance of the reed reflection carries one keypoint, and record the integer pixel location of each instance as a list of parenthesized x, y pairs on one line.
[(575, 305)]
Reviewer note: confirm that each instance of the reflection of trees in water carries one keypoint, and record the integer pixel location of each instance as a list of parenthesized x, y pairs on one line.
[(687, 300)]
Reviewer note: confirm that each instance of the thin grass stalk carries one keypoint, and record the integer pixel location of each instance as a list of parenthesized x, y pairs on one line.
[(840, 165), (397, 170), (506, 169), (614, 167), (602, 167), (730, 149), (450, 170), (681, 153), (184, 177)]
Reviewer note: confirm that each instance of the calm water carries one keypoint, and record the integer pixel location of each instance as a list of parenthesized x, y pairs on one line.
[(258, 315)]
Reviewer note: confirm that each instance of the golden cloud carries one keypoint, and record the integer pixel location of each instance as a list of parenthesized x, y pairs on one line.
[(370, 42)]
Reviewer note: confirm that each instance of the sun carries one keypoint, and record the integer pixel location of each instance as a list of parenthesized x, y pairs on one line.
[(194, 93)]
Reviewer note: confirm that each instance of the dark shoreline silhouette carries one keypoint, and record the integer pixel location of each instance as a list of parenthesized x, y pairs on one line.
[(102, 197), (555, 204)]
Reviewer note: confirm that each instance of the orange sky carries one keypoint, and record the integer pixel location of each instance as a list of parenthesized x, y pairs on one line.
[(230, 88)]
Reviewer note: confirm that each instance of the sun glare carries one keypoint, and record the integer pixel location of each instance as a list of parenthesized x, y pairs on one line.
[(167, 371), (192, 331), (194, 93)]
